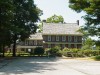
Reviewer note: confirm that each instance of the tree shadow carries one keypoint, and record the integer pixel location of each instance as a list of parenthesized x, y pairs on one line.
[(30, 65)]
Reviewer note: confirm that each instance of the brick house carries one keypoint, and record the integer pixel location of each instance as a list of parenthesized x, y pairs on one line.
[(55, 34), (63, 35)]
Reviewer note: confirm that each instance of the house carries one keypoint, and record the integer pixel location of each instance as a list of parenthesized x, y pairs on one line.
[(35, 40), (63, 35), (55, 34)]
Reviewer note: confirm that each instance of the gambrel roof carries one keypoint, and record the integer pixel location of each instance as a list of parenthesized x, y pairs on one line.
[(61, 29)]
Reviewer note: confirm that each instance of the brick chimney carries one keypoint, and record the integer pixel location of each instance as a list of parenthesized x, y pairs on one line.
[(44, 21)]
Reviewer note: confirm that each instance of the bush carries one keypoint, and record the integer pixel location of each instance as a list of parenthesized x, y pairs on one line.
[(97, 58), (59, 53), (54, 51), (39, 51)]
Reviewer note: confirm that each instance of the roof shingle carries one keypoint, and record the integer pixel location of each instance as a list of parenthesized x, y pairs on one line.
[(61, 29), (37, 36)]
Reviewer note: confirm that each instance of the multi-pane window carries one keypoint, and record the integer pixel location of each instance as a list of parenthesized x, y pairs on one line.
[(63, 46), (75, 38), (26, 42), (30, 42), (69, 38), (35, 42), (49, 38), (75, 45), (63, 38), (80, 38), (57, 38)]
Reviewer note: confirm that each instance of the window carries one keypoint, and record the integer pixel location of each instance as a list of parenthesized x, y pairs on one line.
[(30, 42), (69, 38), (75, 45), (80, 39), (26, 42), (63, 38), (57, 38), (69, 45), (63, 46), (49, 45), (49, 38), (75, 38), (35, 42)]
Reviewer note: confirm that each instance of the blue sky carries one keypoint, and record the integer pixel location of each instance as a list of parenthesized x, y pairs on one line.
[(59, 7)]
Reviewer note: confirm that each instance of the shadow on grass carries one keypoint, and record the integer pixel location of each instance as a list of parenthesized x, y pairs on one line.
[(21, 65)]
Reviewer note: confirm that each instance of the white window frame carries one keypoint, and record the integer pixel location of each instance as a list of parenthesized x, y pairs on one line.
[(69, 38), (63, 38), (49, 38), (35, 42), (57, 38), (75, 38)]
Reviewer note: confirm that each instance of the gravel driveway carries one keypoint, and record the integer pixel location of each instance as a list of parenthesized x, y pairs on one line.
[(50, 66)]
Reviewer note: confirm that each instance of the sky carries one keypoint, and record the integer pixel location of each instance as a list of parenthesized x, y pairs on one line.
[(59, 7)]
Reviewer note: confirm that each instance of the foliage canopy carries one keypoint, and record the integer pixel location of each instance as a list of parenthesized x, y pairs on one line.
[(92, 17)]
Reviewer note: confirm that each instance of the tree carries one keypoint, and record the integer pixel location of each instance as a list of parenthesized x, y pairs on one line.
[(17, 18), (6, 16), (55, 19), (92, 17), (25, 15), (88, 43)]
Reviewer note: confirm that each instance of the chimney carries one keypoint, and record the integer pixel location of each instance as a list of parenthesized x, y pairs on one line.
[(44, 21), (77, 22)]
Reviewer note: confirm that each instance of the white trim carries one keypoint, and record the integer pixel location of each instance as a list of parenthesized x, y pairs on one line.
[(28, 46), (57, 38), (49, 37), (64, 34)]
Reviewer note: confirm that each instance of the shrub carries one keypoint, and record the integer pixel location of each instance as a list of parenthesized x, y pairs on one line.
[(39, 51), (54, 51), (97, 58), (59, 53)]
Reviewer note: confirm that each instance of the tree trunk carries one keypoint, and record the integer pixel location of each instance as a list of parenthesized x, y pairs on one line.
[(3, 50), (14, 45)]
